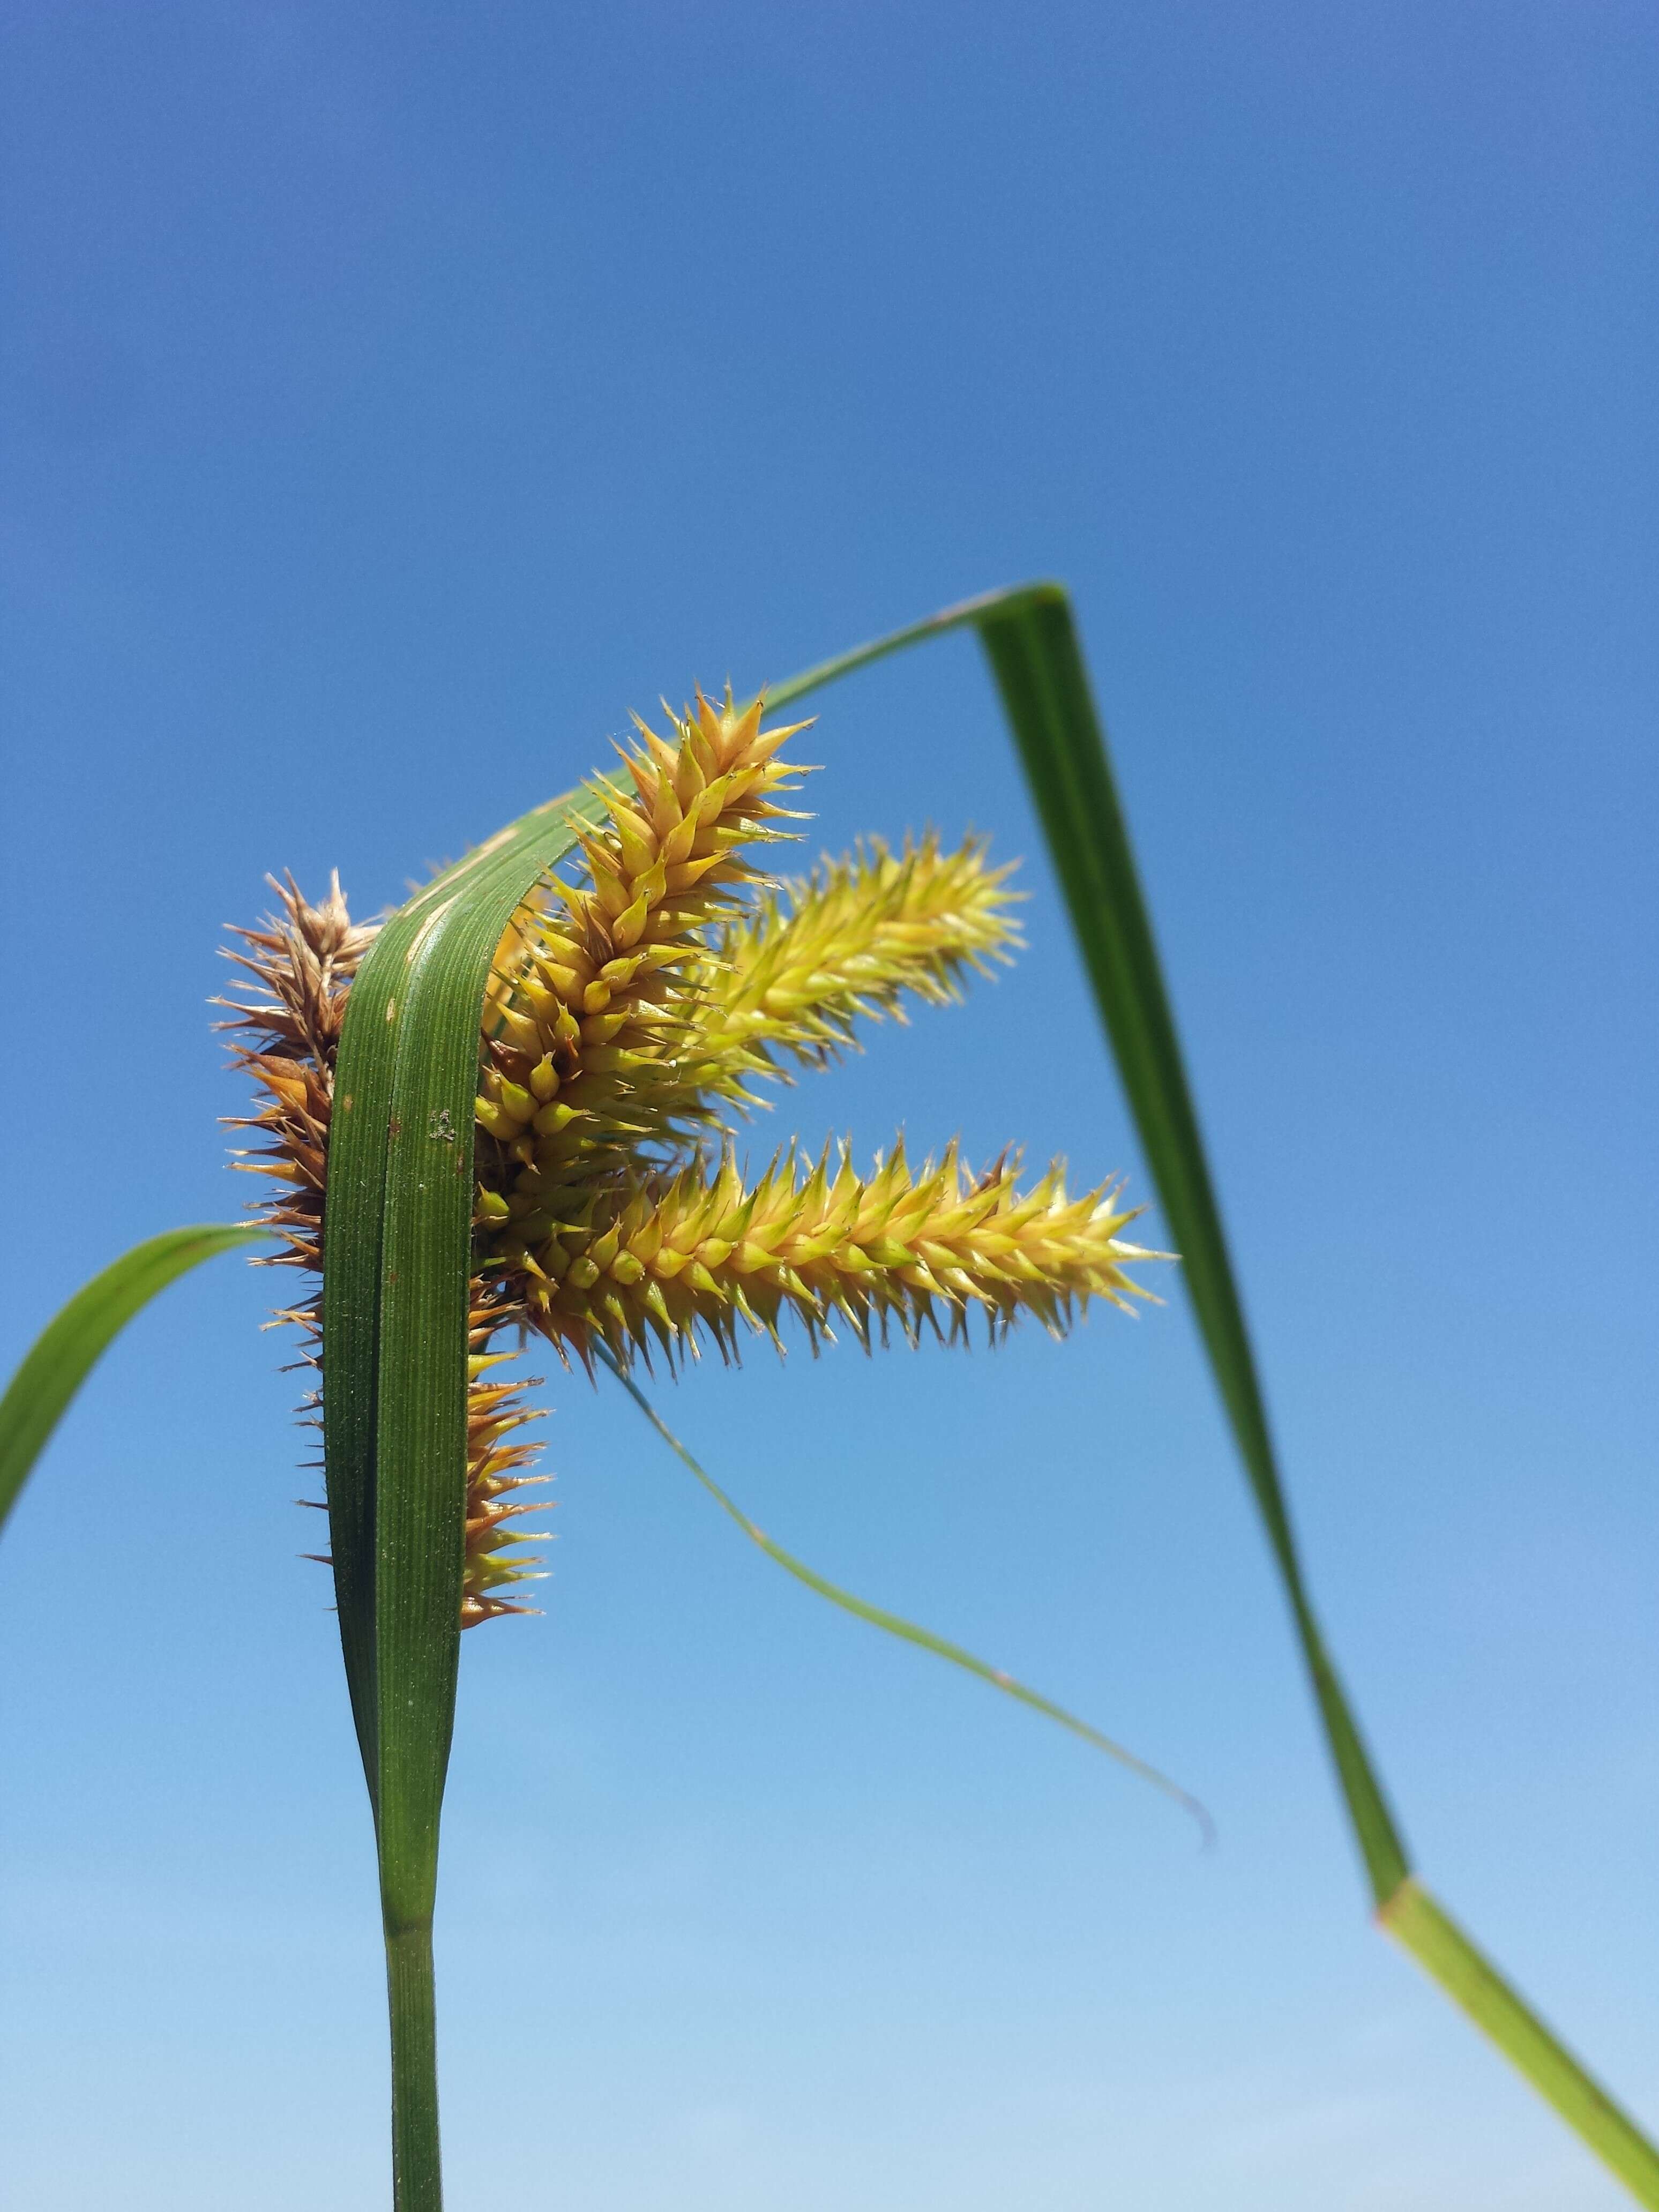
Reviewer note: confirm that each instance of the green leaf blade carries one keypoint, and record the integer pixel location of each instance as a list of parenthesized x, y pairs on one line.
[(1038, 667), (503, 869), (1030, 641), (76, 1338), (1421, 1926), (398, 1229), (353, 1227)]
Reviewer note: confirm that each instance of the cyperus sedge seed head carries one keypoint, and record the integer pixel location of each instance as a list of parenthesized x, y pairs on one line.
[(632, 1015)]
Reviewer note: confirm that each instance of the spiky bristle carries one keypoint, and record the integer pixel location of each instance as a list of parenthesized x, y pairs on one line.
[(654, 1261)]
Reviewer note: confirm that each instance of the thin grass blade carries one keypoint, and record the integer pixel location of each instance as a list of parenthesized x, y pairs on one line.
[(75, 1338), (1030, 641), (1034, 653), (354, 1229), (908, 1632), (1419, 1924), (398, 1261)]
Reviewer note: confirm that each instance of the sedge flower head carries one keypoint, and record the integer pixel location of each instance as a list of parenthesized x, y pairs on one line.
[(634, 1015)]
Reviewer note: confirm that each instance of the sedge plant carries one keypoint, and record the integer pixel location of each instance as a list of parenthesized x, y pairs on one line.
[(514, 1107)]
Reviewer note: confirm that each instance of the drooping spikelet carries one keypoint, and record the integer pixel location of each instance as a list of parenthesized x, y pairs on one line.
[(627, 1018), (301, 964)]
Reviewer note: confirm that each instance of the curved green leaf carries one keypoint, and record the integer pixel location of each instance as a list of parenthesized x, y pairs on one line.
[(398, 1261), (398, 1249), (71, 1343), (1030, 641), (1420, 1925), (895, 1625), (498, 873)]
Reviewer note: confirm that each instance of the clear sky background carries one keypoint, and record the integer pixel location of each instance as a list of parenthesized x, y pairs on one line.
[(396, 397)]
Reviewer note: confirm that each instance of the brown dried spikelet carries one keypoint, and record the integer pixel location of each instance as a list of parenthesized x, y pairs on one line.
[(301, 964)]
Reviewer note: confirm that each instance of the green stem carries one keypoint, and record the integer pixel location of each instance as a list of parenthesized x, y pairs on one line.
[(417, 2169)]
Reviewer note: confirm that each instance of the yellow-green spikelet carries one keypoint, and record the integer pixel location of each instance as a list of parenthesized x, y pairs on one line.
[(604, 1213), (657, 1260), (627, 1017), (592, 995), (794, 974)]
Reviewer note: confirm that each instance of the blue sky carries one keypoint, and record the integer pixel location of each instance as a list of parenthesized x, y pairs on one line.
[(395, 399)]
